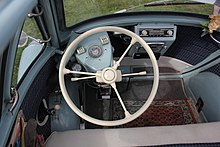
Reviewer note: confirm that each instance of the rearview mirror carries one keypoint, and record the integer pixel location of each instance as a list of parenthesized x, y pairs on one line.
[(23, 39)]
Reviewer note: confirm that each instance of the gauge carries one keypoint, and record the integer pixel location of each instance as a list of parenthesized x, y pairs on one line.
[(104, 40), (95, 51), (76, 67), (81, 50), (144, 32)]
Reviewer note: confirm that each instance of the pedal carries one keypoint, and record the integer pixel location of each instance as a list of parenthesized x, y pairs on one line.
[(106, 97)]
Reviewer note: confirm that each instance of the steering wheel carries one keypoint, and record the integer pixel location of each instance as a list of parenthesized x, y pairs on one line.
[(108, 75)]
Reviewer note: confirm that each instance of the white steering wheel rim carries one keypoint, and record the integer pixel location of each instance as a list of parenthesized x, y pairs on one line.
[(71, 49)]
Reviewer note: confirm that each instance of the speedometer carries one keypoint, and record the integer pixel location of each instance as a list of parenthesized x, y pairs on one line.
[(95, 51)]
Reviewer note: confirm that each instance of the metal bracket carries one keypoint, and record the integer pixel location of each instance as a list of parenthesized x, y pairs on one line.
[(59, 52), (14, 99), (45, 41), (30, 15), (40, 40)]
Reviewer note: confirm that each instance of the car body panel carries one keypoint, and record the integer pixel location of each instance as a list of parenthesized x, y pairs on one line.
[(13, 13)]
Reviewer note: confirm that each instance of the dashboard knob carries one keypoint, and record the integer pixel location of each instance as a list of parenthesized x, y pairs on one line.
[(76, 67), (170, 32), (144, 33)]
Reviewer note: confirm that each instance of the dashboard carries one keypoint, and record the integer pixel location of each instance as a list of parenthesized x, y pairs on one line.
[(96, 52), (186, 43), (158, 36), (169, 34)]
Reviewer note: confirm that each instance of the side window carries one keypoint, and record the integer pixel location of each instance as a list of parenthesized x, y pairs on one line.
[(1, 86), (28, 49)]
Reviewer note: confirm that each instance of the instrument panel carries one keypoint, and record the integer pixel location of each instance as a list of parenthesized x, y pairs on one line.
[(95, 52), (156, 32), (158, 36)]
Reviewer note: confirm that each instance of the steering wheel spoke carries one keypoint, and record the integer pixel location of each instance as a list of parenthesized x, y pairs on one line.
[(127, 114), (82, 78), (143, 73), (117, 63), (67, 71)]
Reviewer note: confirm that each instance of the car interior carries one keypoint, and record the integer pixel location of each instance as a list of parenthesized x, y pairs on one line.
[(125, 79), (188, 77)]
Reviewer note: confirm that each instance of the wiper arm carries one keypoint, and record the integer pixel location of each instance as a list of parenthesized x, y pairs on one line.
[(171, 2)]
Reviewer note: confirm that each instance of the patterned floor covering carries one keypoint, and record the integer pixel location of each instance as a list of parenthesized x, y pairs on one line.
[(160, 113), (170, 105)]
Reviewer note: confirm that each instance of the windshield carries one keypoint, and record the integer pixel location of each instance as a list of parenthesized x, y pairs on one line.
[(76, 11)]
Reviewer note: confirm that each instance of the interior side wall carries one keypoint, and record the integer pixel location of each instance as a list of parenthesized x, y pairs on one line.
[(40, 88), (45, 86), (65, 119), (206, 86)]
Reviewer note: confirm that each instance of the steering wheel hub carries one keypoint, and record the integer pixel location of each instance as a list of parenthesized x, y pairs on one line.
[(109, 75)]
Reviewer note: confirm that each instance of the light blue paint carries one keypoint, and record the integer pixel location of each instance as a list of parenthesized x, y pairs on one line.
[(12, 15), (207, 86), (95, 64), (60, 121)]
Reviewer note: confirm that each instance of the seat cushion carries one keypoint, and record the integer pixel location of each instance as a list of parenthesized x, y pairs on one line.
[(195, 133)]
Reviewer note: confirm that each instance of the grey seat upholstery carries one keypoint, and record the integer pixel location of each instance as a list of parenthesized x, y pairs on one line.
[(196, 133)]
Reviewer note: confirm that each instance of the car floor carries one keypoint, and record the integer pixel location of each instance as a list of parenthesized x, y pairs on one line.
[(171, 106)]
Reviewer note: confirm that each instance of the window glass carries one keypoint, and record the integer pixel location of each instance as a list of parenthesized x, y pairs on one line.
[(28, 49), (1, 86), (76, 11)]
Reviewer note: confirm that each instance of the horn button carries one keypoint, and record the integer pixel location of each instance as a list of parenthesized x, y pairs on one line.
[(108, 76)]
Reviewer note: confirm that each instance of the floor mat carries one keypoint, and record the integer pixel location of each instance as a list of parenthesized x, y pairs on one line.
[(170, 106), (140, 90), (160, 113)]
